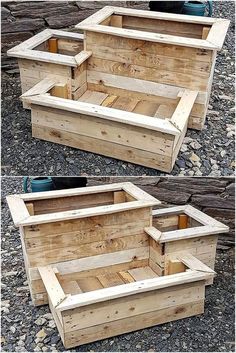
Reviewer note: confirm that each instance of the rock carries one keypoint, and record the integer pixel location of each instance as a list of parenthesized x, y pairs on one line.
[(48, 316), (40, 321), (45, 11), (51, 324), (194, 158), (187, 140), (195, 145), (5, 13), (213, 201), (184, 148), (41, 334), (22, 25), (61, 21), (15, 37), (55, 339), (224, 97), (10, 273), (13, 329)]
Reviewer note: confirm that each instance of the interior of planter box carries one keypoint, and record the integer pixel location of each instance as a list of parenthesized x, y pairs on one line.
[(65, 46), (176, 28), (76, 202), (125, 100), (76, 283), (174, 222)]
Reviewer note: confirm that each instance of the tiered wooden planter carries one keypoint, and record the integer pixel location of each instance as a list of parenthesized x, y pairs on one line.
[(140, 81), (105, 267)]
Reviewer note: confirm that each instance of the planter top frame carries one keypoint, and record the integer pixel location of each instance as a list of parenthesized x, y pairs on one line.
[(208, 225), (196, 271), (214, 40), (21, 216), (26, 49)]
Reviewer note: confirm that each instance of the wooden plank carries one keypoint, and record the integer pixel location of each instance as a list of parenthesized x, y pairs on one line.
[(93, 97), (130, 289), (126, 277), (204, 218), (110, 280), (60, 90), (42, 87), (129, 324), (89, 284), (155, 267), (164, 111), (109, 131), (142, 273), (183, 221), (116, 21), (119, 197), (182, 112), (30, 208), (58, 254), (82, 56), (146, 108), (52, 45), (53, 287), (106, 148), (189, 81), (125, 103), (154, 233), (218, 32), (70, 287), (186, 55), (139, 193), (109, 101), (17, 208), (175, 266), (194, 264), (205, 32), (131, 306)]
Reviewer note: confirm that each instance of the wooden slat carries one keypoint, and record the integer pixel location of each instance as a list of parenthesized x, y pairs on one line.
[(93, 97), (145, 108), (142, 273), (110, 280), (126, 277), (70, 287), (89, 284), (17, 208), (182, 112), (194, 264), (132, 306), (53, 287), (109, 101), (175, 266), (154, 233), (124, 103)]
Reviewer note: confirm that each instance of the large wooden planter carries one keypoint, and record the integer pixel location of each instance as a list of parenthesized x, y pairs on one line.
[(50, 52), (169, 49), (105, 268)]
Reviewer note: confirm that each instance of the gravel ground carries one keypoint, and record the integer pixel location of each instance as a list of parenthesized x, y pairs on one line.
[(212, 331), (206, 152)]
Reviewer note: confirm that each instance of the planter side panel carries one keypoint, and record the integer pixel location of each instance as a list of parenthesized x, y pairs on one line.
[(131, 313), (122, 141), (163, 63), (52, 243)]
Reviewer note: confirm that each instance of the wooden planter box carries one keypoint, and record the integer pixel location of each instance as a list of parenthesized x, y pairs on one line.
[(169, 49), (183, 229), (128, 127), (105, 267), (50, 52)]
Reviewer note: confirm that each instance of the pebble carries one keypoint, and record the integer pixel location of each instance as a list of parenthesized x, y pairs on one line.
[(41, 334), (194, 158), (195, 145), (40, 321)]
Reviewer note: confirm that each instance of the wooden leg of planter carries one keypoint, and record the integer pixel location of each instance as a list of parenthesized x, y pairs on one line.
[(183, 221), (52, 45), (175, 266), (60, 90)]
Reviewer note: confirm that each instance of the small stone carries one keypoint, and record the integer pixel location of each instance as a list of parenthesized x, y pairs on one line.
[(13, 329), (215, 167), (10, 273), (41, 334), (40, 321), (223, 153), (213, 161), (198, 173), (184, 148), (51, 324), (187, 140), (195, 145), (230, 134), (138, 346), (194, 158), (55, 339), (48, 316), (224, 97)]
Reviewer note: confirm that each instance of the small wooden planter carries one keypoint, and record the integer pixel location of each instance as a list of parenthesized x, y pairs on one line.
[(107, 264), (50, 52), (169, 49), (134, 129), (183, 229)]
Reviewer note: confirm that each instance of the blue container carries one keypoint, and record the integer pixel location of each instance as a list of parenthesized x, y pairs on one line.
[(38, 184), (197, 8)]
